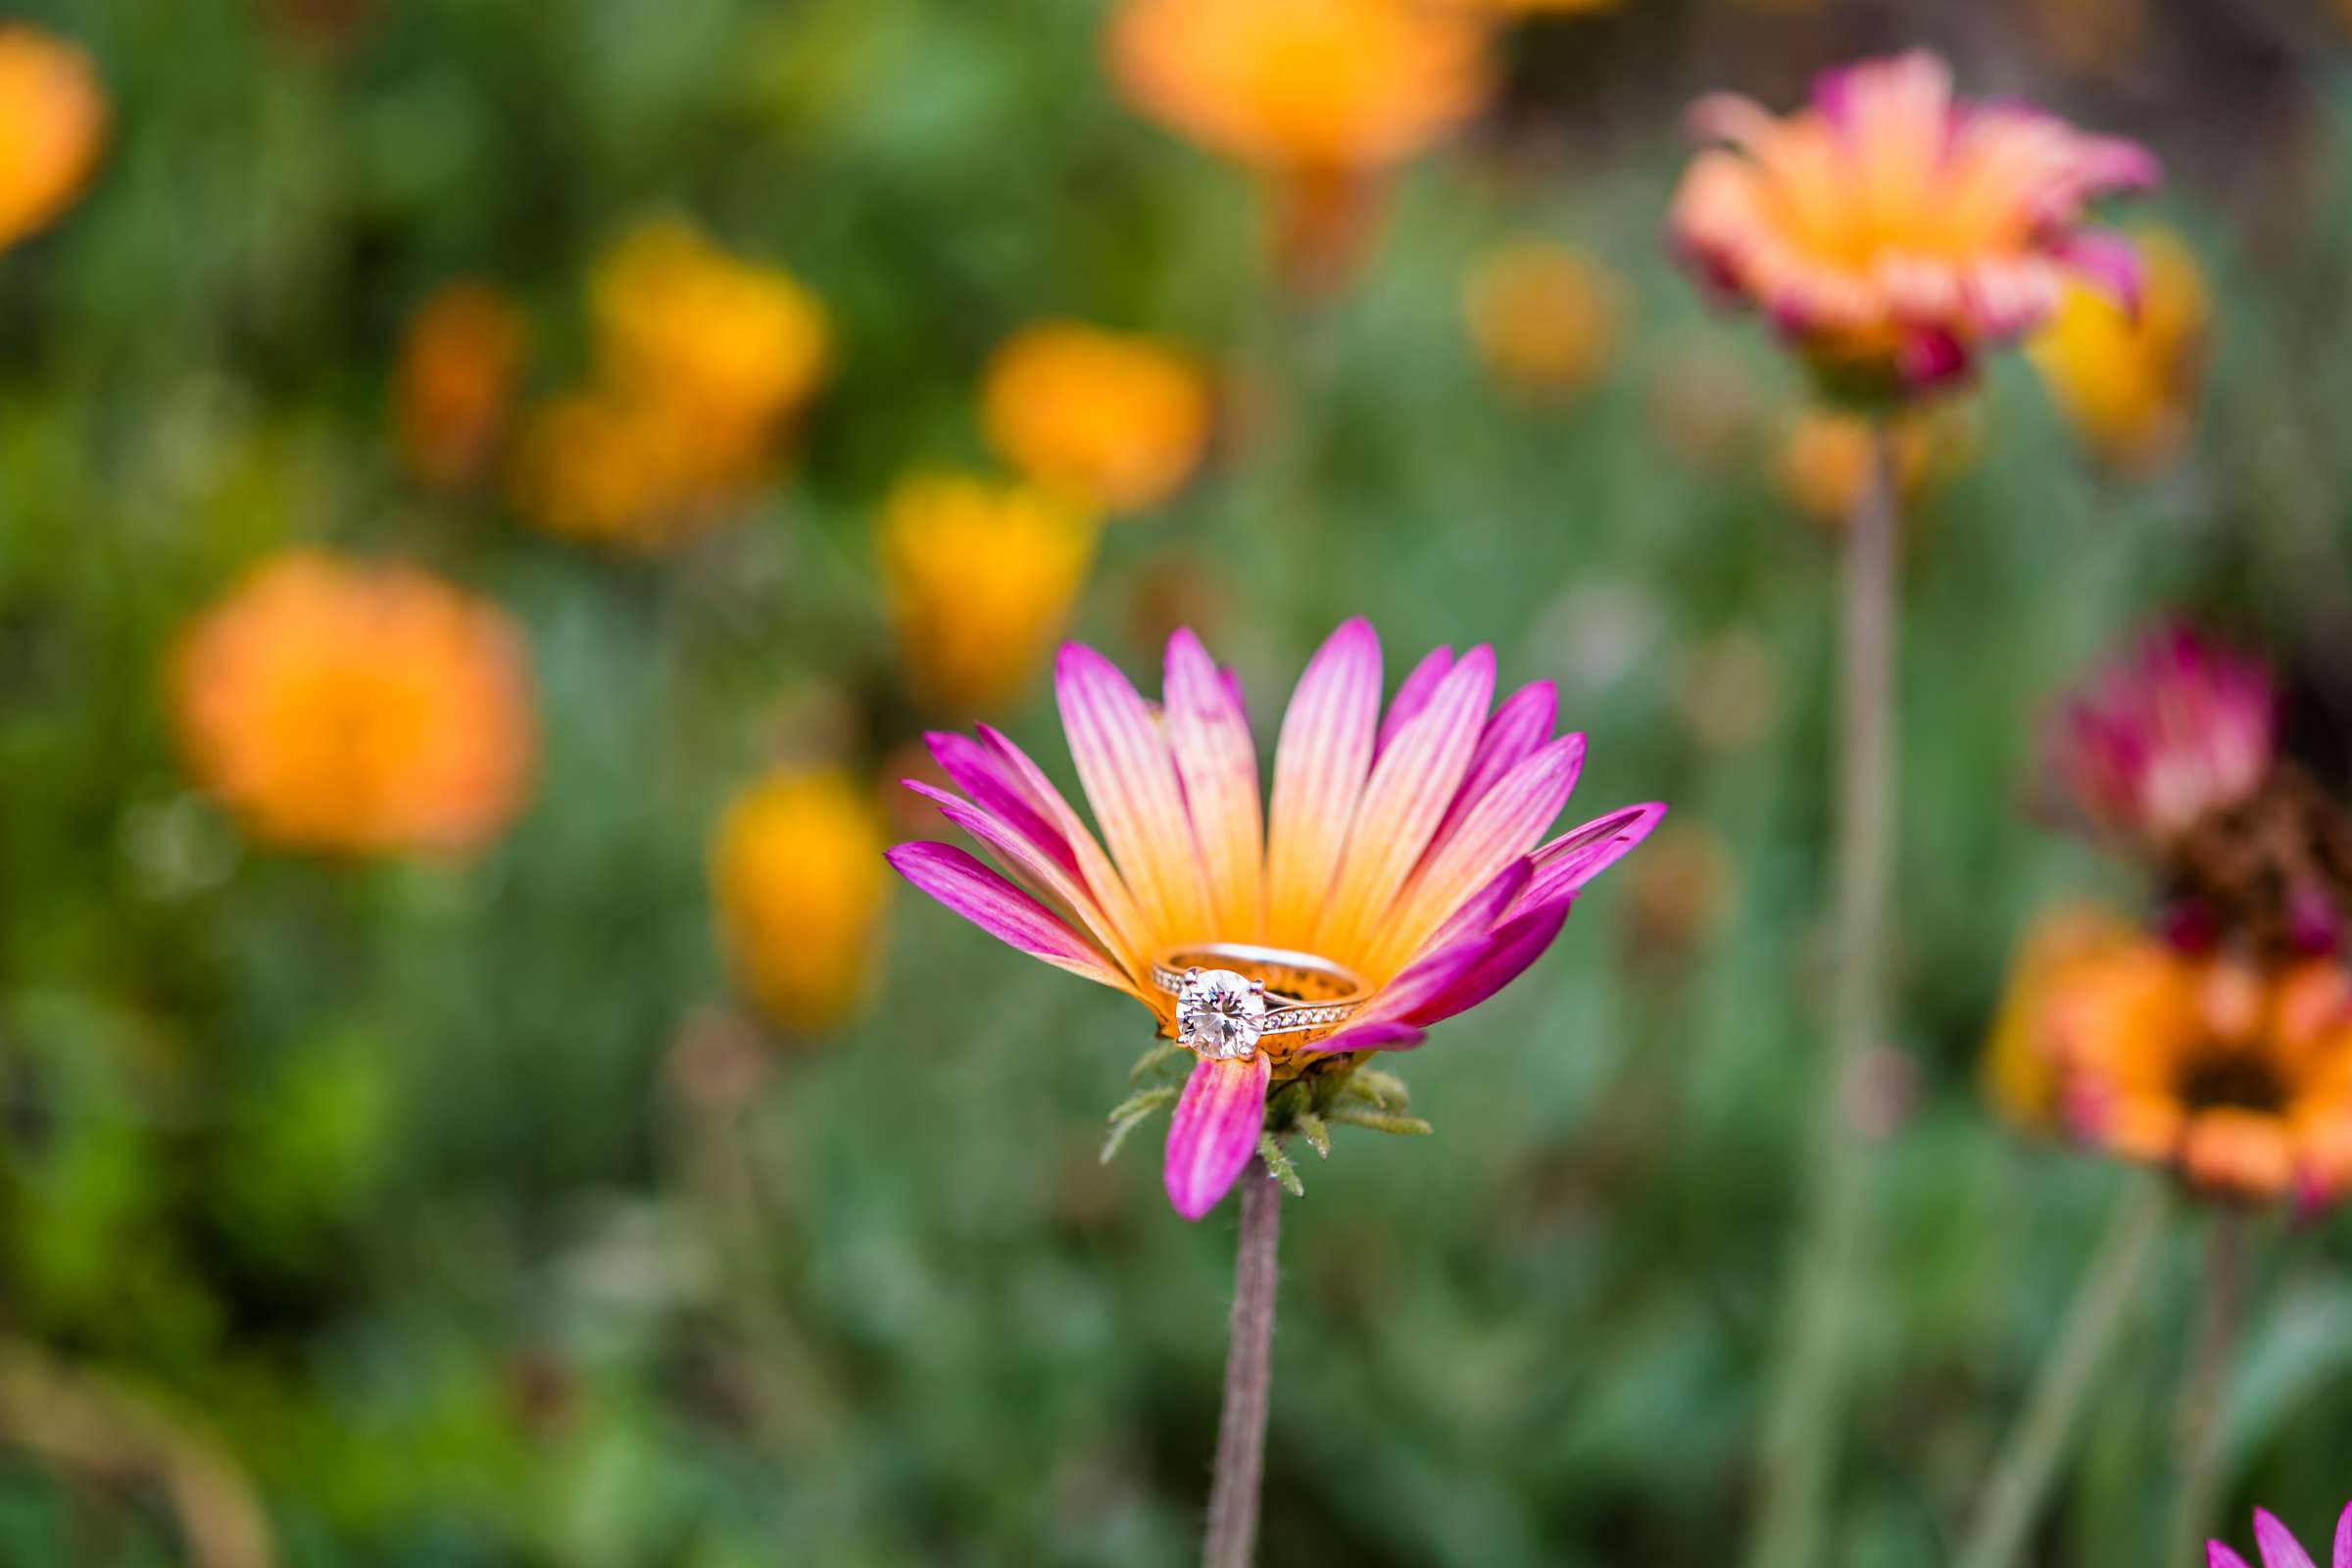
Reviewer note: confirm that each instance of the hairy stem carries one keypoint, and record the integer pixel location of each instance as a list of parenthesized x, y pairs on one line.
[(2221, 1313), (2030, 1458), (1800, 1440), (1232, 1538)]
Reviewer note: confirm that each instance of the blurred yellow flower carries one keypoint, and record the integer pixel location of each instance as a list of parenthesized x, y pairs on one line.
[(51, 119), (1827, 458), (2129, 385), (1314, 94), (455, 384), (1114, 421), (2020, 1069), (1543, 317), (800, 883), (735, 346), (701, 361), (364, 708), (980, 577)]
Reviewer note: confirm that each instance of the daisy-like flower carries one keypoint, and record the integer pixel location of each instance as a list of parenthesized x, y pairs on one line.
[(1401, 849), (2238, 1075), (798, 880), (2177, 731), (1316, 95), (2279, 1549), (1894, 232)]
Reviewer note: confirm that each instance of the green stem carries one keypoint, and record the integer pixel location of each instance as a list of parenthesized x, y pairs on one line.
[(1232, 1537), (2028, 1461), (1800, 1440), (2221, 1313)]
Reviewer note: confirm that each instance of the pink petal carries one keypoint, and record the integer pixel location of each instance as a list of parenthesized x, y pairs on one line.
[(1582, 853), (1519, 943), (2343, 1539), (1499, 829), (1389, 1036), (1062, 890), (1521, 724), (961, 882), (2279, 1549), (1214, 1132), (2108, 264), (1118, 904), (1210, 736), (1130, 779), (1410, 789), (1319, 767), (1484, 910), (1413, 694), (2218, 1555), (982, 775)]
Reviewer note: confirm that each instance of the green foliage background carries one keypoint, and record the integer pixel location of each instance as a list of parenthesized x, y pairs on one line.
[(374, 1175)]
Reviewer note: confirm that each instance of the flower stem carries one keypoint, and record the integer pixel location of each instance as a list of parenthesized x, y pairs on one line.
[(2221, 1313), (1800, 1441), (2028, 1461), (1232, 1539)]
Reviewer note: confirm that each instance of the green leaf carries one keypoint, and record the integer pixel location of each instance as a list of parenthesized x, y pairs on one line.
[(1318, 1136), (1278, 1164)]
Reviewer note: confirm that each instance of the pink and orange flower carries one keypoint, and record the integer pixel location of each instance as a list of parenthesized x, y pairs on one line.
[(2175, 732), (1892, 231), (2279, 1549), (1404, 846)]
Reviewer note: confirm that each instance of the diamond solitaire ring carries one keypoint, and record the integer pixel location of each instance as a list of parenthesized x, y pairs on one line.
[(1230, 995)]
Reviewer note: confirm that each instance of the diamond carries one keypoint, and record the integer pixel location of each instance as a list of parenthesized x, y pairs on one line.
[(1218, 1013)]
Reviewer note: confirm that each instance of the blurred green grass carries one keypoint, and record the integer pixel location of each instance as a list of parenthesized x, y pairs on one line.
[(376, 1172)]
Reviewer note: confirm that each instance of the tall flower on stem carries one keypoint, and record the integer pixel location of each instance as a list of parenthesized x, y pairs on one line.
[(1893, 235), (1319, 97), (1398, 877)]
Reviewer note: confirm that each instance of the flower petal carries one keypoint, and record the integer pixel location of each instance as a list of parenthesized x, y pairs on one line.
[(1131, 781), (1413, 694), (1209, 735), (2279, 1549), (982, 775), (1389, 1036), (1483, 910), (1500, 828), (1061, 889), (959, 880), (2343, 1539), (1521, 724), (1214, 1132), (1409, 792), (1517, 944), (2108, 264), (1582, 853), (2218, 1555), (1319, 768), (1118, 904)]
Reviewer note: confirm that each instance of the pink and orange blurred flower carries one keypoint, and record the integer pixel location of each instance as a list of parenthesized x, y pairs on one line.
[(53, 118), (1891, 231), (1403, 848), (2279, 1549), (2237, 1075), (2174, 733)]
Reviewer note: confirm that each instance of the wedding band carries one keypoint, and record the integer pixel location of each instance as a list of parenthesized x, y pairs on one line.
[(1231, 995)]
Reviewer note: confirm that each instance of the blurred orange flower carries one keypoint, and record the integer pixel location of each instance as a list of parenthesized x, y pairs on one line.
[(800, 882), (1543, 317), (980, 577), (2240, 1077), (53, 118), (364, 708), (2019, 1069), (701, 361), (455, 384), (2129, 385), (1116, 422), (1890, 230), (1316, 95)]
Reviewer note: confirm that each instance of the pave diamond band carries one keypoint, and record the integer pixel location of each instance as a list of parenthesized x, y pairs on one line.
[(1230, 995)]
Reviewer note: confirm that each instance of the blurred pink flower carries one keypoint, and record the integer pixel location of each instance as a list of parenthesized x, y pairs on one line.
[(2177, 729), (1890, 230), (1401, 848)]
